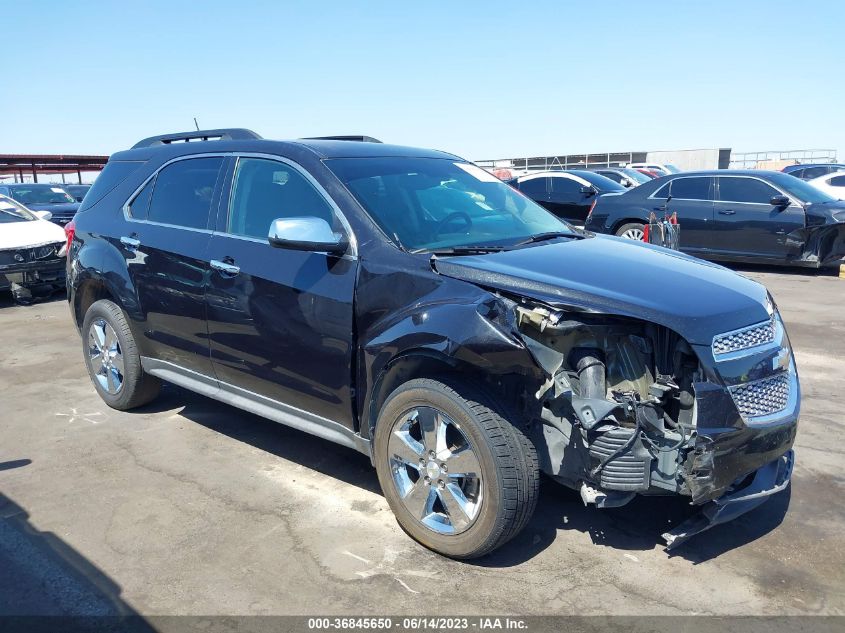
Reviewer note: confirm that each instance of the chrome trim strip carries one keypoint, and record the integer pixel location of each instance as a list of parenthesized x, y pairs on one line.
[(255, 403)]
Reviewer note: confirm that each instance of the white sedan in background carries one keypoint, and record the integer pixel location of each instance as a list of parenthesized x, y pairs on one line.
[(832, 183), (32, 251)]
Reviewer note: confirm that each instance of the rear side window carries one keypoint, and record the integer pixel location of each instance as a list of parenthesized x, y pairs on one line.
[(266, 190), (746, 190), (141, 202), (114, 173), (691, 188), (815, 172), (837, 181), (566, 187), (183, 192)]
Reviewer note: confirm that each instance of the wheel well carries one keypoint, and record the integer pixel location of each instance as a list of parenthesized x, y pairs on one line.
[(622, 223), (506, 387), (89, 291)]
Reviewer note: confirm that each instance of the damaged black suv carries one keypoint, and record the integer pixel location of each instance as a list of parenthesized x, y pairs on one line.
[(409, 305)]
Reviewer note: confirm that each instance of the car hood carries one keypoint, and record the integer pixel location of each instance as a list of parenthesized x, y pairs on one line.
[(829, 212), (29, 233), (56, 207), (611, 275)]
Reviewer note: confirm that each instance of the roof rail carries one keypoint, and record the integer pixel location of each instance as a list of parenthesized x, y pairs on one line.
[(225, 134), (360, 139)]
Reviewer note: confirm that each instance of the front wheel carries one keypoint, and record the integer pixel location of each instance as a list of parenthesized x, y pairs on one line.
[(632, 231), (461, 478)]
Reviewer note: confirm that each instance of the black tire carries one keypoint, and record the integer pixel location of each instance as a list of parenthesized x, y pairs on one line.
[(137, 387), (630, 226), (510, 475)]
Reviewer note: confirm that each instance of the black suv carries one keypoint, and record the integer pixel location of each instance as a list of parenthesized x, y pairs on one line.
[(409, 305)]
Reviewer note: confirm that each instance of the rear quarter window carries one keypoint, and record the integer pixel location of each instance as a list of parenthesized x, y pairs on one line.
[(114, 173)]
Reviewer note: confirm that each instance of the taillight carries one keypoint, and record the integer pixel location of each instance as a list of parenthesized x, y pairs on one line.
[(70, 230)]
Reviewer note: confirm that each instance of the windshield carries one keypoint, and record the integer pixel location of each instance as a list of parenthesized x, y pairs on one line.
[(426, 204), (800, 189), (11, 211), (602, 183), (636, 176), (40, 194)]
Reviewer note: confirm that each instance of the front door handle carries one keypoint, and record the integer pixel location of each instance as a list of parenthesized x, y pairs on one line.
[(130, 243), (727, 212), (225, 268)]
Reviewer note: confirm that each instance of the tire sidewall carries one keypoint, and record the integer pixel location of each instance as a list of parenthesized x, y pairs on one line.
[(628, 226), (487, 524), (110, 313)]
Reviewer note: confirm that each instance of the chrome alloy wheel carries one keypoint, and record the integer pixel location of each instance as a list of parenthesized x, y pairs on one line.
[(435, 470), (633, 234), (105, 356)]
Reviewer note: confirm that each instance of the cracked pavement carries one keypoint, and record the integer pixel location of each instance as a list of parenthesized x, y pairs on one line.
[(189, 506)]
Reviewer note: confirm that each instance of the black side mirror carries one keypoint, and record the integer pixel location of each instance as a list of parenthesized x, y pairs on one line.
[(588, 190), (780, 201)]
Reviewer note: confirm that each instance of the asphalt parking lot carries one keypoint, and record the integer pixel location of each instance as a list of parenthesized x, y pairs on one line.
[(189, 506)]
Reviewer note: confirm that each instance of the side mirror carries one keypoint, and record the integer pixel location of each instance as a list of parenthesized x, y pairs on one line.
[(44, 215), (588, 190), (780, 201), (306, 234)]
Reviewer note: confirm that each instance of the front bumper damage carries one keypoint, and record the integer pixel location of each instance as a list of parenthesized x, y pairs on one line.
[(772, 478), (635, 410)]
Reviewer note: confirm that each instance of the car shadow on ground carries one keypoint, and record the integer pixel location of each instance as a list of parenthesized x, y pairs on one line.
[(42, 577), (635, 527), (6, 300)]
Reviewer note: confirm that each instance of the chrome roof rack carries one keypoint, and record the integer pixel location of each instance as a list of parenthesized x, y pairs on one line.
[(225, 134), (360, 139)]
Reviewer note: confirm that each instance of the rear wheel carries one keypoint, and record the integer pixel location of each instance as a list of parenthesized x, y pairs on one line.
[(112, 358), (632, 231), (460, 478)]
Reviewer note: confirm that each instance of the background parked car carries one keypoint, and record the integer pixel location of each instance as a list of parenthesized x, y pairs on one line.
[(832, 184), (43, 197), (32, 251), (736, 215), (660, 168), (77, 191), (568, 194), (651, 173), (623, 175), (808, 172)]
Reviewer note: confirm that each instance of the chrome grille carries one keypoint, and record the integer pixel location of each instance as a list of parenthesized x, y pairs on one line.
[(745, 338), (763, 397)]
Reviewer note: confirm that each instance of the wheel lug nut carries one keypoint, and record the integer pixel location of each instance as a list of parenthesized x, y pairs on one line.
[(427, 480), (440, 484), (443, 467)]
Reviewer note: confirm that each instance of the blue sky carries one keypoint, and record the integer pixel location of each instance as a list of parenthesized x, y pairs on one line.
[(480, 79)]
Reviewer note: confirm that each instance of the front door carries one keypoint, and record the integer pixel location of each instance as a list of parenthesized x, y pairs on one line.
[(567, 201), (280, 321), (748, 225)]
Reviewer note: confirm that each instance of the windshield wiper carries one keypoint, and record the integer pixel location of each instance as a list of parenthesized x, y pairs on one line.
[(542, 237), (462, 250)]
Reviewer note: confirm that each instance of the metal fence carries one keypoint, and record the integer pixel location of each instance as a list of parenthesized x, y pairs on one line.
[(751, 160)]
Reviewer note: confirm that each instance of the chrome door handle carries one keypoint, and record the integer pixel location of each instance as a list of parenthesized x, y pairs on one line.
[(130, 243), (727, 212), (223, 267)]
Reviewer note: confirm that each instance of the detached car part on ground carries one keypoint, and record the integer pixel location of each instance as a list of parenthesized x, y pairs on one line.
[(407, 304), (751, 216), (32, 251)]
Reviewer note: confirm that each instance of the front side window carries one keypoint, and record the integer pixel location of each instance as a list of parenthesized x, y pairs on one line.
[(566, 188), (11, 211), (815, 172), (837, 181), (746, 190), (183, 192), (266, 190), (426, 204)]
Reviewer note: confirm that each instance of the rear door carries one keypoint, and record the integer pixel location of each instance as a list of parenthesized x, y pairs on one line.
[(280, 321), (693, 199), (166, 248), (537, 189), (748, 225), (567, 201)]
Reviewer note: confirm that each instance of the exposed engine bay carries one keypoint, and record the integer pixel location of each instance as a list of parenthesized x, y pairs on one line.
[(618, 410)]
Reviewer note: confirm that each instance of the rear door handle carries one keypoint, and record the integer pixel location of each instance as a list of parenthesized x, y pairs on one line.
[(727, 212), (225, 268), (130, 243)]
